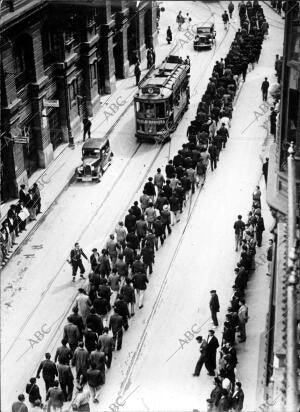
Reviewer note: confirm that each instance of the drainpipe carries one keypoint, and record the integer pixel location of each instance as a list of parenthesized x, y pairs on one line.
[(292, 281)]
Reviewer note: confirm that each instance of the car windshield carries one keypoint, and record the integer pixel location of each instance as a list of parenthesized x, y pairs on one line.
[(203, 30), (91, 152)]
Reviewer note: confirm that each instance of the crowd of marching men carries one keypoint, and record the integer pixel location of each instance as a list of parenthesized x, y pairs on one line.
[(120, 273)]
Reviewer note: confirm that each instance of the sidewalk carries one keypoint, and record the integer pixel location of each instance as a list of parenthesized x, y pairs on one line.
[(251, 354), (66, 159)]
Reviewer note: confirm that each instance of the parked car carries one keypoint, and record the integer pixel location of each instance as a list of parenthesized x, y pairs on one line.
[(96, 157), (205, 37)]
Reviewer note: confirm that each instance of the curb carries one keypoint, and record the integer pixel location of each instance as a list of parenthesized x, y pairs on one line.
[(44, 215)]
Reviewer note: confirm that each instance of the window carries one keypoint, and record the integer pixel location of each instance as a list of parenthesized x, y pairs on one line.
[(23, 56), (93, 72), (50, 45), (20, 60), (73, 90)]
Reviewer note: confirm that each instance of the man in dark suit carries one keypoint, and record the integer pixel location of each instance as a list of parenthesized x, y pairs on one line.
[(214, 306), (107, 345), (201, 360), (76, 261), (211, 352), (238, 398), (49, 371), (23, 196), (116, 325)]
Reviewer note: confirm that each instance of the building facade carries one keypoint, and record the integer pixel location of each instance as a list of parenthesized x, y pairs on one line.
[(57, 58), (280, 377)]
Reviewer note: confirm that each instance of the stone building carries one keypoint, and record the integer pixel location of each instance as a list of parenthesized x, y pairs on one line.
[(280, 377), (57, 58)]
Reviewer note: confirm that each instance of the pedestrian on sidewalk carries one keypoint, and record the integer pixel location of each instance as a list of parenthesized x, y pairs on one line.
[(225, 19), (279, 6), (31, 205), (213, 153), (243, 319), (214, 306), (87, 124), (237, 400), (169, 35), (215, 394), (273, 120), (265, 168), (260, 228), (49, 371), (264, 88), (179, 20), (137, 73), (202, 349), (270, 257), (256, 195), (230, 8), (211, 352), (239, 227), (36, 197), (140, 281), (149, 58), (76, 261), (66, 378)]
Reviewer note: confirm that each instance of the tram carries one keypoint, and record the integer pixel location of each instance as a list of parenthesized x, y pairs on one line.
[(163, 97)]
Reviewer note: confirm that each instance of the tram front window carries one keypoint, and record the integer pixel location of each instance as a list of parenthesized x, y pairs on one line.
[(150, 113)]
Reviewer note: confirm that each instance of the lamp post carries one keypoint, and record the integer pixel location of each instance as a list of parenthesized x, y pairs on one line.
[(292, 281)]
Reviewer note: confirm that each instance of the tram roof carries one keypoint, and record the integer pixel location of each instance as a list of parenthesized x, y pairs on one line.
[(163, 78)]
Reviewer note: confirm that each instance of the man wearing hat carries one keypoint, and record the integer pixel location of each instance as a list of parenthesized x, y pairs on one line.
[(211, 352), (214, 306), (202, 349)]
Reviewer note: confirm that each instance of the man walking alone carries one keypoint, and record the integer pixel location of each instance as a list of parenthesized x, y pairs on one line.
[(214, 307)]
